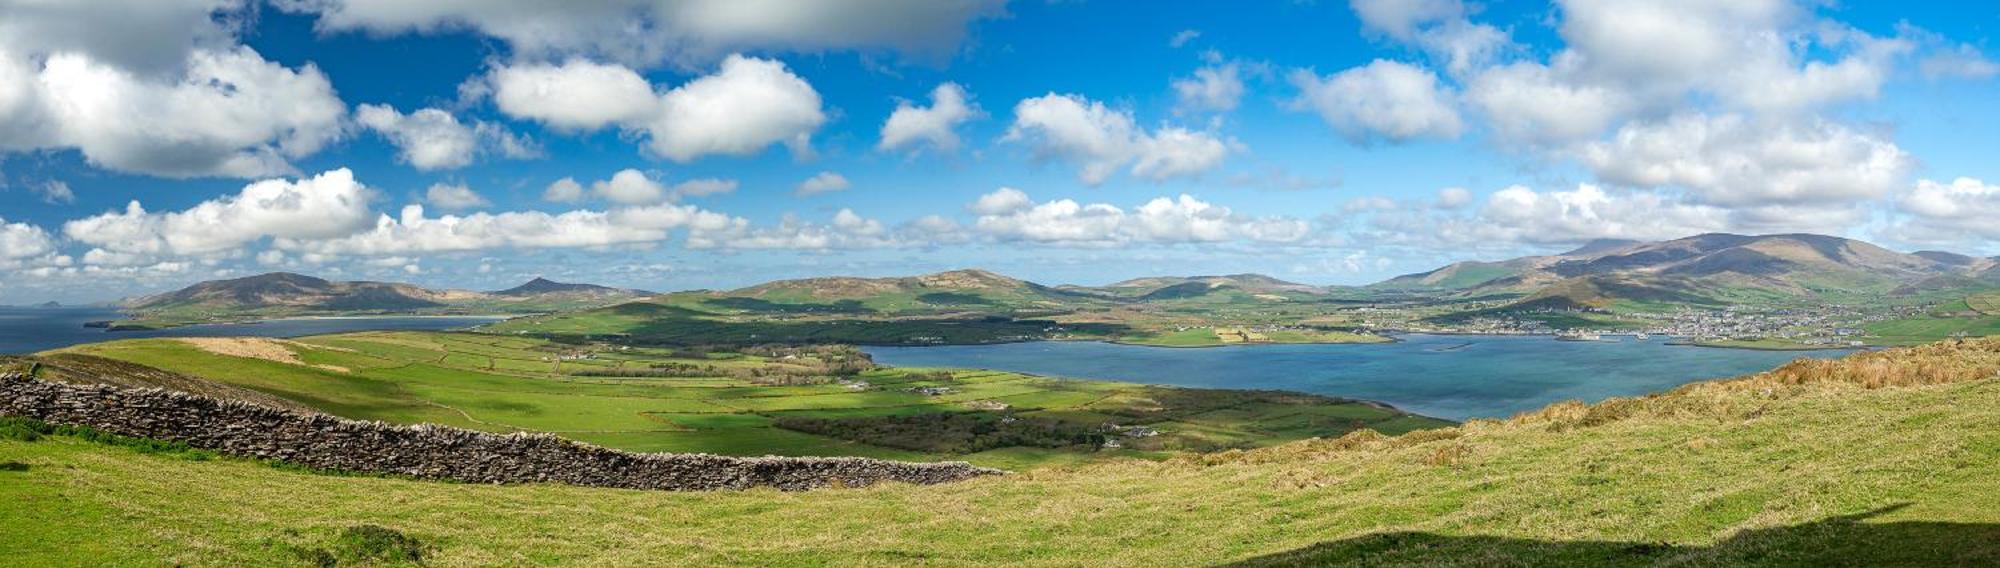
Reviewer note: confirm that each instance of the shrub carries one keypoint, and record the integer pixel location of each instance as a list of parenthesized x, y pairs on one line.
[(371, 543), (22, 429)]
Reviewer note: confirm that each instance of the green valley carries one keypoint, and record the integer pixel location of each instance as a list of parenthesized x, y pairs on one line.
[(739, 401), (1884, 458)]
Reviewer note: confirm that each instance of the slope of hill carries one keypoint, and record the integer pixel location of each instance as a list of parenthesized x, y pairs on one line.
[(280, 294), (545, 288), (1713, 269), (1882, 459)]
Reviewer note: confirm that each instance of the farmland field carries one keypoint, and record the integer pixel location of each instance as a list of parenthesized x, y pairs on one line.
[(735, 402)]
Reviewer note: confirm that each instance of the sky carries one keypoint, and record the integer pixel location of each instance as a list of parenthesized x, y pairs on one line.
[(680, 144)]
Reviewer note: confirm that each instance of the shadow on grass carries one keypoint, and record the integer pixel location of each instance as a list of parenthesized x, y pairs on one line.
[(1838, 541)]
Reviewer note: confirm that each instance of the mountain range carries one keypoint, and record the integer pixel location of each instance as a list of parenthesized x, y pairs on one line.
[(288, 292), (1710, 269)]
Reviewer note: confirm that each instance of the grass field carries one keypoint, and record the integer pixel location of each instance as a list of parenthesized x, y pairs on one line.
[(1985, 302), (727, 402), (1885, 459)]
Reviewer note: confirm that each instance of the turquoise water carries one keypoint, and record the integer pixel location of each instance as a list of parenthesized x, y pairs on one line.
[(1456, 377), (28, 330)]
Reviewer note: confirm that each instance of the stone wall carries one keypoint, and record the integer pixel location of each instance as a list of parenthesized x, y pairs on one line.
[(430, 451)]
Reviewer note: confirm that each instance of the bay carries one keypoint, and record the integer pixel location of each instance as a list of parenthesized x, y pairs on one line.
[(29, 330), (1446, 376)]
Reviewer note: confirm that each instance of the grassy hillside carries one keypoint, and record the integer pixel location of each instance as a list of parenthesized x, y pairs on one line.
[(1879, 459), (785, 401)]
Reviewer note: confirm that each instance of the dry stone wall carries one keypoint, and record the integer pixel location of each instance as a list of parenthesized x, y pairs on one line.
[(430, 451)]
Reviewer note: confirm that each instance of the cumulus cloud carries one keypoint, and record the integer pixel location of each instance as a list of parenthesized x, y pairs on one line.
[(413, 232), (747, 105), (1182, 37), (634, 187), (228, 112), (1588, 212), (630, 187), (454, 196), (153, 37), (684, 32), (329, 205), (823, 182), (1009, 215), (1439, 27), (1103, 140), (1737, 161), (935, 125), (1965, 211), (563, 191), (22, 240), (1214, 88), (433, 139), (1534, 103), (1384, 100), (574, 95)]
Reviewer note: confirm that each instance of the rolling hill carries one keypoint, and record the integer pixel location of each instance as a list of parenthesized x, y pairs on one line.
[(1711, 269), (1887, 458), (286, 294)]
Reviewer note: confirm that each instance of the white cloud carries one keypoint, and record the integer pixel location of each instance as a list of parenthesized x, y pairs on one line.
[(1182, 38), (823, 182), (1215, 88), (54, 191), (1453, 197), (228, 113), (1962, 62), (1965, 211), (634, 187), (1588, 212), (1401, 19), (1535, 103), (746, 106), (1737, 161), (563, 191), (630, 187), (1008, 215), (432, 139), (685, 32), (1001, 202), (22, 240), (429, 138), (574, 95), (703, 187), (455, 196), (1439, 27), (935, 125), (329, 205), (151, 37), (1102, 140), (847, 230), (1382, 100)]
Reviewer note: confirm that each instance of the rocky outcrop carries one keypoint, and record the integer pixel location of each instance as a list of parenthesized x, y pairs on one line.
[(429, 451)]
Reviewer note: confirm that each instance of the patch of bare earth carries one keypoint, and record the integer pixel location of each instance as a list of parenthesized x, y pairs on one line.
[(277, 350)]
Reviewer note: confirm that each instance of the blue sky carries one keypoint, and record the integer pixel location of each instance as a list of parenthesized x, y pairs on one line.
[(1325, 142)]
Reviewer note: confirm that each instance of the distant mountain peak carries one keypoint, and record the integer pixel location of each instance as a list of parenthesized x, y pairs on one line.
[(540, 285)]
